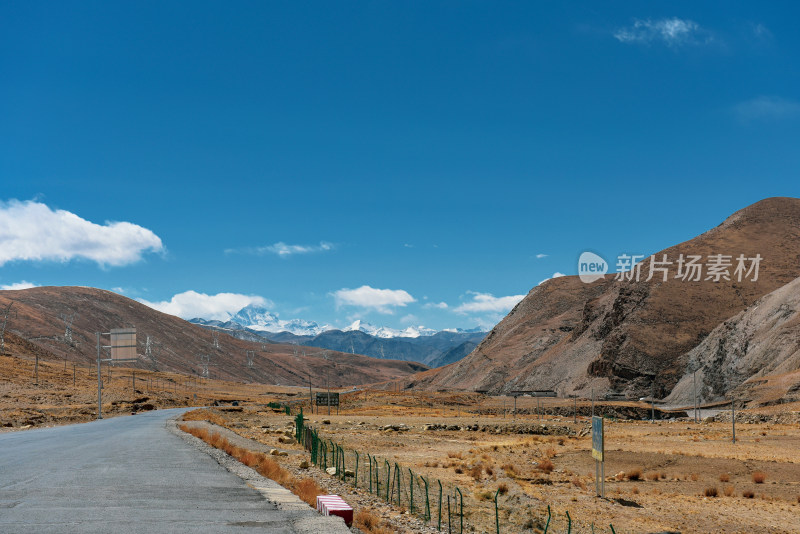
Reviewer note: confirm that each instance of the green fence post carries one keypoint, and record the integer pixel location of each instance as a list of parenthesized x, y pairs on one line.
[(612, 528), (427, 502), (388, 479), (341, 450), (449, 522), (398, 473), (569, 523), (496, 512), (369, 459), (439, 527), (461, 509), (355, 478), (411, 490), (549, 515)]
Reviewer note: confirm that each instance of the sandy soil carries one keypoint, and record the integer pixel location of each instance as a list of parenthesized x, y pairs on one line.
[(657, 474)]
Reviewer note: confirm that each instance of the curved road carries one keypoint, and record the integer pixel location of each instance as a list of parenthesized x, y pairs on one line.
[(130, 474)]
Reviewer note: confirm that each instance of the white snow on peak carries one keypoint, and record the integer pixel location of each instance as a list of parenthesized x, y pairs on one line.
[(386, 332), (260, 319)]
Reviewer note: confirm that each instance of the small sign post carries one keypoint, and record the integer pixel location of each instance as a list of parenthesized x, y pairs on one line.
[(328, 399), (598, 453), (123, 350)]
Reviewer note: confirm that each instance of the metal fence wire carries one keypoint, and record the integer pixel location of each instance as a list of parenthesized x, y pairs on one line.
[(436, 503)]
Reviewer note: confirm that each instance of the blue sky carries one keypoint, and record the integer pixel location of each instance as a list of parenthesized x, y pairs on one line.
[(399, 162)]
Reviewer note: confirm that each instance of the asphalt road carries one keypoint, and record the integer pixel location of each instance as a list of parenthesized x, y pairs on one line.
[(130, 474)]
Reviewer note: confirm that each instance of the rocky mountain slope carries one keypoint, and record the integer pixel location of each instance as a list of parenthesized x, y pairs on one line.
[(625, 335), (753, 355), (40, 316)]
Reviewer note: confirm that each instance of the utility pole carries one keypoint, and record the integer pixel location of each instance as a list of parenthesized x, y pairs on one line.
[(653, 401), (6, 312), (694, 391)]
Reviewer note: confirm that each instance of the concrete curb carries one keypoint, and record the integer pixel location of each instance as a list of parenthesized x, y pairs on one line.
[(304, 519)]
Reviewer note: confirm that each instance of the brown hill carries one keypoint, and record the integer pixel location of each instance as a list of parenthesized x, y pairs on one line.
[(629, 336), (38, 316)]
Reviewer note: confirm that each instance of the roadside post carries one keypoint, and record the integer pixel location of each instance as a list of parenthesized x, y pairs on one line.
[(598, 453)]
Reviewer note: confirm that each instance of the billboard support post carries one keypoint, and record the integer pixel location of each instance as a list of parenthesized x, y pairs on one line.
[(598, 453)]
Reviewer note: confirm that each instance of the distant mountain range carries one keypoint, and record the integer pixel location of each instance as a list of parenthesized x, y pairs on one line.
[(415, 343)]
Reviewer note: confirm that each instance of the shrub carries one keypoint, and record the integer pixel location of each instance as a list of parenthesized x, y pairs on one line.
[(694, 477), (459, 470), (369, 522), (654, 476), (578, 483), (759, 477), (545, 466), (724, 477), (509, 469), (635, 490), (748, 494), (475, 472), (503, 488), (729, 491), (636, 474), (308, 490), (710, 491)]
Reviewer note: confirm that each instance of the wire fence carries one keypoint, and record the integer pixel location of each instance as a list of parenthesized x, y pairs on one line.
[(438, 504)]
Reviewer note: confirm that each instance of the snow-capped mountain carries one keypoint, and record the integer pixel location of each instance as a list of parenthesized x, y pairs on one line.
[(385, 332), (261, 319)]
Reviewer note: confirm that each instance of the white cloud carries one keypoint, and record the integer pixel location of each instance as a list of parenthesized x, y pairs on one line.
[(672, 32), (437, 305), (282, 250), (555, 275), (32, 231), (486, 302), (767, 108), (380, 300), (17, 285), (540, 256), (191, 304)]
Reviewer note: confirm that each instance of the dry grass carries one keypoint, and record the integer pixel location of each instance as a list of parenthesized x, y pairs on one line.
[(308, 490), (748, 494), (370, 523), (729, 491), (205, 415), (502, 488), (578, 483), (710, 491), (653, 476), (545, 465), (509, 469), (724, 477), (694, 477), (636, 474), (759, 477), (476, 472)]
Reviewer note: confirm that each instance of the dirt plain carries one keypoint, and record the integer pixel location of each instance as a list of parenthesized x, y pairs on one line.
[(657, 475)]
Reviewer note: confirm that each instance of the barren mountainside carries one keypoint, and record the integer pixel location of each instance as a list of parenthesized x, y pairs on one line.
[(628, 336), (39, 315)]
